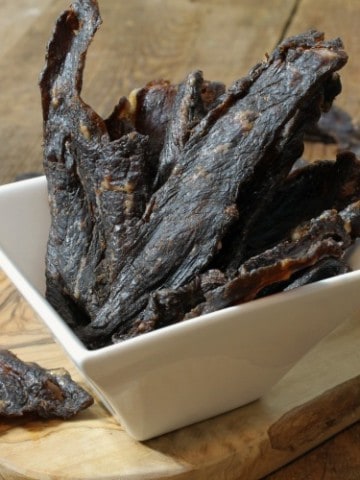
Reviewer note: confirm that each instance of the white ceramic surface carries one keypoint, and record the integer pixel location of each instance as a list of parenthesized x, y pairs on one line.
[(186, 372)]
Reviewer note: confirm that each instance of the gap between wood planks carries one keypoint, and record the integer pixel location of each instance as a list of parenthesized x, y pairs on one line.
[(288, 22)]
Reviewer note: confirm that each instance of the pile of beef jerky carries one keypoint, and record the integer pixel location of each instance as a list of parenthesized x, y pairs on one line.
[(184, 200)]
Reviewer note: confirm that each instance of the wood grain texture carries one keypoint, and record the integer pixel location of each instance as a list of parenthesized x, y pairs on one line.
[(141, 40), (336, 459), (244, 444), (306, 422)]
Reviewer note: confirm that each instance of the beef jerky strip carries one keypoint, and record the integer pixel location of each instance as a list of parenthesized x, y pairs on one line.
[(305, 194), (71, 223), (229, 151), (190, 105), (288, 139), (28, 388), (148, 110), (169, 305), (187, 111), (92, 198), (323, 237), (325, 268), (335, 126), (351, 217)]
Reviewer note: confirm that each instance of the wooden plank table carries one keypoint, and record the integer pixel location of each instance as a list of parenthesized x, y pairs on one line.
[(141, 40)]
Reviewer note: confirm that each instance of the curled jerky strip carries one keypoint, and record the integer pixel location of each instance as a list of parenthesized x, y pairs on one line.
[(327, 236), (306, 193)]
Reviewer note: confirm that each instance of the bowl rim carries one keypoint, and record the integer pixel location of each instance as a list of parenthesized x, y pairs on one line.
[(77, 349)]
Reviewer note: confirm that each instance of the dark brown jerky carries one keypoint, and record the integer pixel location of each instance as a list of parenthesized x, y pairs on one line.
[(288, 138), (193, 100), (351, 218), (168, 306), (120, 122), (336, 126), (149, 110), (28, 388), (325, 268), (97, 187), (314, 252), (323, 237), (112, 243), (304, 195)]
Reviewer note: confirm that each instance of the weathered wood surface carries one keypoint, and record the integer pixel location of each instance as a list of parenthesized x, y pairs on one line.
[(141, 40)]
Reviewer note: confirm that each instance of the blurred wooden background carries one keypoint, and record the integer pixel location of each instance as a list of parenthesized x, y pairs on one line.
[(146, 39)]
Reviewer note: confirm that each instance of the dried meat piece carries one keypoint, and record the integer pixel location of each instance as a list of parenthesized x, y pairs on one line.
[(313, 253), (351, 218), (287, 139), (304, 195), (167, 306), (323, 237), (150, 109), (97, 187), (335, 126), (28, 388), (193, 100), (326, 268)]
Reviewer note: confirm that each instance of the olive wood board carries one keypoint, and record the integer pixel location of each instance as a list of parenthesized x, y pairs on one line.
[(319, 397)]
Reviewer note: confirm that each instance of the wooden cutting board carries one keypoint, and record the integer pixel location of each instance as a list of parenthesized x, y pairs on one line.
[(316, 399)]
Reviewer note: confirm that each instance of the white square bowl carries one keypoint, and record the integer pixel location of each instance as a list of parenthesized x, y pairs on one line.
[(186, 372)]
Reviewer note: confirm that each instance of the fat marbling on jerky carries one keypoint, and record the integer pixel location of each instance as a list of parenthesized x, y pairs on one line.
[(122, 228)]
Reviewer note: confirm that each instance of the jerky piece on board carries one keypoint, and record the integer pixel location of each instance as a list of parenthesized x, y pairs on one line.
[(304, 195), (327, 236), (28, 388)]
